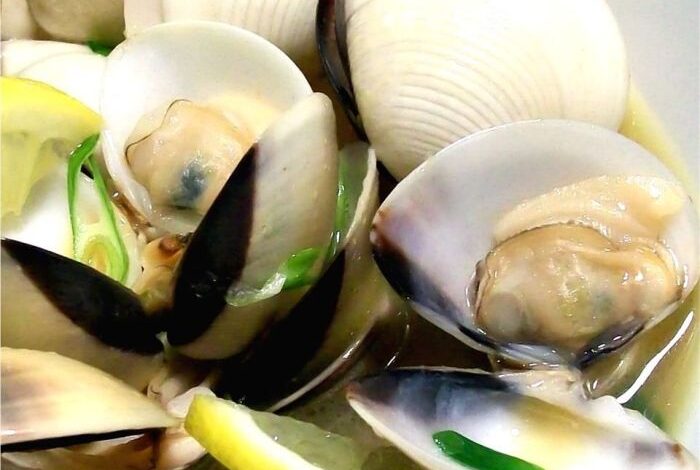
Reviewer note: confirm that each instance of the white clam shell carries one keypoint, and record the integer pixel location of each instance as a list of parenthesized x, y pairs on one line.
[(198, 61), (18, 54), (426, 74), (72, 68), (47, 396), (32, 321), (288, 24), (293, 207), (440, 219), (539, 416)]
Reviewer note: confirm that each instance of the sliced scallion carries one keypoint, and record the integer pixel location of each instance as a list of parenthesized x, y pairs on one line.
[(98, 244), (100, 48), (476, 456)]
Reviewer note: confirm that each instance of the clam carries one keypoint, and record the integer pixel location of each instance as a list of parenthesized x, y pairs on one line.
[(57, 304), (228, 143), (425, 74), (52, 401), (336, 314), (288, 24), (542, 417), (240, 84), (543, 241), (72, 68)]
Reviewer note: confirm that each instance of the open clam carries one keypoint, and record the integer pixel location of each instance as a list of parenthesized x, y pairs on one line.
[(423, 75), (335, 315), (542, 241), (72, 309), (517, 414), (227, 142)]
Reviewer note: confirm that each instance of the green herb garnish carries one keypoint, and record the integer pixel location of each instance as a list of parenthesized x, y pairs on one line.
[(473, 455), (297, 271), (100, 48), (351, 174), (302, 268), (98, 244)]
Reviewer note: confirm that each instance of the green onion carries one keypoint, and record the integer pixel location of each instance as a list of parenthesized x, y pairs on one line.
[(302, 268), (99, 244), (299, 270), (351, 174), (100, 48), (473, 455)]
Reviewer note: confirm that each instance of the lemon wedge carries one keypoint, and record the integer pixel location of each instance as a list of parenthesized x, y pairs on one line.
[(40, 127), (243, 439)]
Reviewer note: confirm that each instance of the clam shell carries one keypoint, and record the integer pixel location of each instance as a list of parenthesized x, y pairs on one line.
[(279, 200), (288, 24), (167, 62), (426, 74), (51, 401), (72, 68), (52, 303), (334, 317), (438, 223), (519, 414), (123, 453)]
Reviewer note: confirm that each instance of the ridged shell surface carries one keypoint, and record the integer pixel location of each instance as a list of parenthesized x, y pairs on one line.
[(426, 74)]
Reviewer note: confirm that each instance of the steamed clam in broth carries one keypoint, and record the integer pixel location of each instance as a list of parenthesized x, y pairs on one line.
[(288, 24), (519, 414), (172, 152), (586, 218), (563, 273), (193, 132)]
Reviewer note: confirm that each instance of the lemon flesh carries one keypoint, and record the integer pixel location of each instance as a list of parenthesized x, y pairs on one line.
[(243, 439), (40, 127)]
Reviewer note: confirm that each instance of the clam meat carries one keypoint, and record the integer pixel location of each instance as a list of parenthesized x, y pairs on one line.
[(544, 241)]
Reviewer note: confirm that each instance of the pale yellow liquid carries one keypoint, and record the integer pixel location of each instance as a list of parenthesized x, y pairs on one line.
[(656, 372)]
